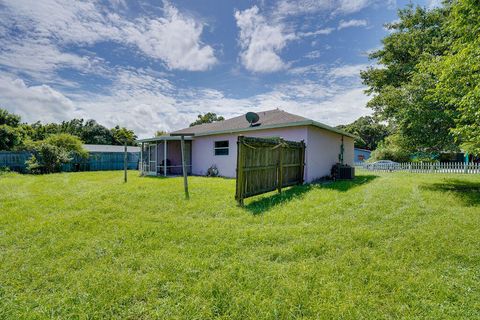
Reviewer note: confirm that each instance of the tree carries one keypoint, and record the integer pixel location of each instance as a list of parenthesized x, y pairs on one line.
[(122, 135), (208, 117), (368, 130), (94, 133), (458, 74), (402, 83), (394, 148), (9, 119), (12, 134), (160, 133), (10, 137), (50, 154)]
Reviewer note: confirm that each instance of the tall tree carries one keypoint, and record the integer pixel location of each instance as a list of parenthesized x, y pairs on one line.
[(208, 117), (401, 83), (11, 132), (122, 135), (458, 74), (9, 119), (160, 133), (368, 130)]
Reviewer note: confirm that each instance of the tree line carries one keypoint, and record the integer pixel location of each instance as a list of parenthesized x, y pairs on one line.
[(426, 83), (15, 135), (55, 144)]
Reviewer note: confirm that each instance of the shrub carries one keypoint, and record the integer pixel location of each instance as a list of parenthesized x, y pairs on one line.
[(50, 154), (4, 169), (392, 148)]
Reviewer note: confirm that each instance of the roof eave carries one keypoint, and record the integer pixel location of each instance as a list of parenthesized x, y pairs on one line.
[(326, 127), (277, 126), (163, 138)]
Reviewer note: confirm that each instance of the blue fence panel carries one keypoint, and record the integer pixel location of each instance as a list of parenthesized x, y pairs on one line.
[(15, 160), (97, 161)]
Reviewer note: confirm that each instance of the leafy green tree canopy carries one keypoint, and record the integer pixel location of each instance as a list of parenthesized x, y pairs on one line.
[(368, 130), (458, 74), (208, 117), (401, 84), (160, 133), (122, 135), (12, 133), (9, 119), (50, 154)]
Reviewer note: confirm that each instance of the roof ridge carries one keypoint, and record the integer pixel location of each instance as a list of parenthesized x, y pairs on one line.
[(274, 118)]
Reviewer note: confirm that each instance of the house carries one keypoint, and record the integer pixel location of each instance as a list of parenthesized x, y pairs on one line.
[(215, 144), (361, 155)]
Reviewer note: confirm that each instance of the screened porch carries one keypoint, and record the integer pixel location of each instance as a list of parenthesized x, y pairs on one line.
[(162, 156)]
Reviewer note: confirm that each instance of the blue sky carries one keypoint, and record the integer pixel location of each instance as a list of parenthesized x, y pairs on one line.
[(155, 65)]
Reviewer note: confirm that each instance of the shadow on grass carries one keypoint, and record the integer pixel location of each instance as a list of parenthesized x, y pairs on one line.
[(266, 203), (155, 177), (467, 191)]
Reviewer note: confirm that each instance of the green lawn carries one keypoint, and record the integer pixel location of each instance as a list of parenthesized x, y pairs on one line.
[(86, 245)]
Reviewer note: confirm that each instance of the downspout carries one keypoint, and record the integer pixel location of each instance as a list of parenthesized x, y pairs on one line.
[(342, 149)]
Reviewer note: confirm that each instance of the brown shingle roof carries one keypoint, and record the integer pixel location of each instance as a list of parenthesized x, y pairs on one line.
[(268, 119)]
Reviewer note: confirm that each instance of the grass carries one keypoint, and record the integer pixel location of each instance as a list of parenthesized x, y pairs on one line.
[(392, 245)]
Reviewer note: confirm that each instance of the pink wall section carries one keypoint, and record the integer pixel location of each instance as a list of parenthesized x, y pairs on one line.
[(203, 156), (322, 150)]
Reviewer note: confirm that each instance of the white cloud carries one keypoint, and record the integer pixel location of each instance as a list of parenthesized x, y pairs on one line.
[(313, 54), (145, 102), (352, 23), (341, 7), (346, 71), (261, 41), (34, 102), (434, 4), (40, 59), (174, 39), (351, 6), (323, 31)]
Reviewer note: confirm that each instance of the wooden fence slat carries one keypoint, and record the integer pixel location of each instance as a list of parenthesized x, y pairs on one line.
[(267, 164)]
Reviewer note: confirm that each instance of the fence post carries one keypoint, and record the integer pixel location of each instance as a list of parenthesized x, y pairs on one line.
[(184, 168), (280, 167), (240, 173), (302, 162), (125, 163)]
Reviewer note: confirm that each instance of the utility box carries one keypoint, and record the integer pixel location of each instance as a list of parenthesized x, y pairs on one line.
[(342, 172)]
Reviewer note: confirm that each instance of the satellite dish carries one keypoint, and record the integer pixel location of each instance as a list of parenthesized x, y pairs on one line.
[(252, 118)]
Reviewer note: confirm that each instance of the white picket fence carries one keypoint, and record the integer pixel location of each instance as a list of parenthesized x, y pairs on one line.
[(424, 167)]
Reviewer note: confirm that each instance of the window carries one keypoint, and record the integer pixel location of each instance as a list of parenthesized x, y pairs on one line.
[(221, 148)]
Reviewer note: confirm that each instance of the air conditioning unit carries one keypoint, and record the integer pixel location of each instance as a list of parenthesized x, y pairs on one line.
[(342, 172)]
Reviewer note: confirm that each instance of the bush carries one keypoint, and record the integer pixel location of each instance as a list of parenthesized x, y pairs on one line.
[(392, 148), (10, 137), (50, 154), (4, 169)]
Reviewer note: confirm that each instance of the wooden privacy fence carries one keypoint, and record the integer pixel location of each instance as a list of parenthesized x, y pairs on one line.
[(267, 164), (426, 167)]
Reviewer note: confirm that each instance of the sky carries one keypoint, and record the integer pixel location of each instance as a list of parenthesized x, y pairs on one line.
[(156, 65)]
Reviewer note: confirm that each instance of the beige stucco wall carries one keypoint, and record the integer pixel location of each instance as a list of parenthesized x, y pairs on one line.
[(322, 150)]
